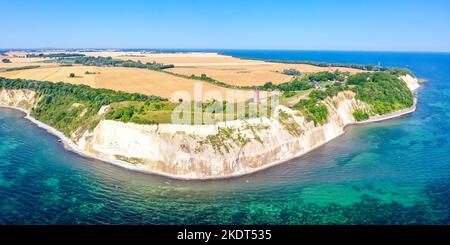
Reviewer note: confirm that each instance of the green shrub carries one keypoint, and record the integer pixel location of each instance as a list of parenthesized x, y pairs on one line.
[(291, 72), (288, 94), (123, 114), (295, 85), (360, 115), (383, 91), (396, 71), (313, 110)]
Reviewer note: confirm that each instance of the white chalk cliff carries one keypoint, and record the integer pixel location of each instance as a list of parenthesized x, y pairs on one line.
[(211, 151), (19, 98), (411, 82)]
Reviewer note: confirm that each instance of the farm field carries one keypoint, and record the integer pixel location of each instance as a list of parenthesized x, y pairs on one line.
[(230, 70), (131, 80), (223, 68), (21, 61), (252, 75), (191, 59), (22, 64)]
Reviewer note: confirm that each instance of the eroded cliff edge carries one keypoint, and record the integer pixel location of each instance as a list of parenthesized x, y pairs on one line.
[(209, 151)]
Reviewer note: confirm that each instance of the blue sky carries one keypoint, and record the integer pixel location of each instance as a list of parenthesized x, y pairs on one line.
[(400, 25)]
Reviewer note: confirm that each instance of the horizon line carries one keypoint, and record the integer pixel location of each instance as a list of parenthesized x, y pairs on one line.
[(218, 49)]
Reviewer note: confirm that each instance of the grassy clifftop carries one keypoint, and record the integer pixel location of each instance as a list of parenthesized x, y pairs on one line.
[(74, 108)]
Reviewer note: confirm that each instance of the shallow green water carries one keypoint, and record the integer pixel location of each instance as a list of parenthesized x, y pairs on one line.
[(395, 172)]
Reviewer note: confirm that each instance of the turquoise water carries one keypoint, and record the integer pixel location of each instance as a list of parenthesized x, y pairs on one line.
[(395, 172)]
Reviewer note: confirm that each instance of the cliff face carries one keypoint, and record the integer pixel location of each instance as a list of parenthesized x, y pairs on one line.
[(411, 82), (226, 149), (23, 98), (210, 151)]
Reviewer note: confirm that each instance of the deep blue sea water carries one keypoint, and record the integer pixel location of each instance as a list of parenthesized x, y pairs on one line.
[(394, 172)]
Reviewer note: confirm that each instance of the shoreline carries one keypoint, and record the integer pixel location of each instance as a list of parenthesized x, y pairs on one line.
[(71, 146)]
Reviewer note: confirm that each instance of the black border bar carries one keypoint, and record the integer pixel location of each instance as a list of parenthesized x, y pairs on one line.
[(118, 233)]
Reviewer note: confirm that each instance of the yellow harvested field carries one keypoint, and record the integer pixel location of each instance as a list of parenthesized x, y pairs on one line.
[(251, 75), (236, 75), (193, 59), (228, 69), (144, 56), (21, 64), (18, 62), (131, 80), (54, 74), (223, 68), (26, 60)]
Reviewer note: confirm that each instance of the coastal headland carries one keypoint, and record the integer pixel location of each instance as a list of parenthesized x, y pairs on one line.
[(314, 105)]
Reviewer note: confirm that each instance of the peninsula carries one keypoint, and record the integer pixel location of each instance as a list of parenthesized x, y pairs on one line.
[(119, 106)]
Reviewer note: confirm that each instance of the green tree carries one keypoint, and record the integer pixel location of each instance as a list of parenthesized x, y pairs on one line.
[(291, 72)]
